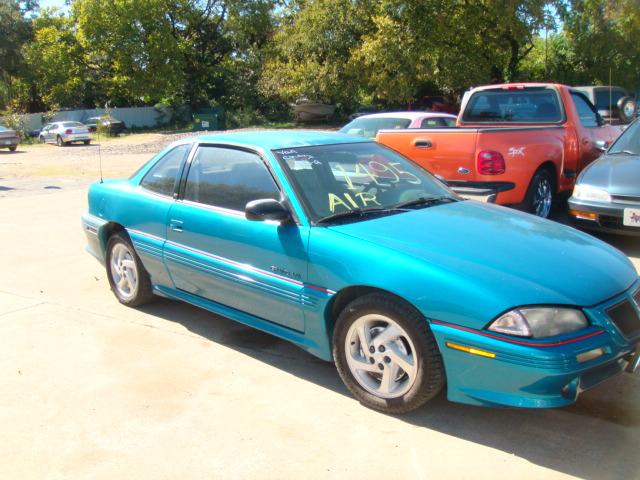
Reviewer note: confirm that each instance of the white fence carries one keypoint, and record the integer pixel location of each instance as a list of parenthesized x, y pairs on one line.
[(132, 117)]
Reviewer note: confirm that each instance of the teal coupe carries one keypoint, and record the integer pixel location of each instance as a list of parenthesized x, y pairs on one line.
[(357, 255)]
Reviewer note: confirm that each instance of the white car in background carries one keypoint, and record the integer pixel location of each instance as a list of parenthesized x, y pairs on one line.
[(64, 133), (368, 125)]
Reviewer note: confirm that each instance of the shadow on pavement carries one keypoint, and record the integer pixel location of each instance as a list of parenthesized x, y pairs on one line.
[(595, 438)]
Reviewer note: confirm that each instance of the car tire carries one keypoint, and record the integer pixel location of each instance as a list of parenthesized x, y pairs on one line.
[(540, 194), (59, 141), (87, 142), (627, 107), (41, 139), (397, 336), (13, 148), (127, 276)]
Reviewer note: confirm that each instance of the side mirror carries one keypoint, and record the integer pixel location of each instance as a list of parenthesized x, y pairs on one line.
[(602, 145), (266, 209)]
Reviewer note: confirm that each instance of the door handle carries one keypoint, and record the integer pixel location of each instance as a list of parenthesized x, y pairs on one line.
[(176, 225), (423, 143)]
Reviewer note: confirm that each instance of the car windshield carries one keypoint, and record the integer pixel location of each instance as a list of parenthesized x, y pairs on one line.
[(359, 178), (72, 124), (368, 127), (513, 105), (629, 141)]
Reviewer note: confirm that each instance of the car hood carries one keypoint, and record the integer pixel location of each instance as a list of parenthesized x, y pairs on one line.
[(618, 174), (516, 256)]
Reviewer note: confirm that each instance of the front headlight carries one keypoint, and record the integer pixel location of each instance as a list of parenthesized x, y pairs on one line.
[(587, 192), (539, 322)]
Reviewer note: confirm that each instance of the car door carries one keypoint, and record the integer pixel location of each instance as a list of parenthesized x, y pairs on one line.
[(593, 135), (144, 210), (214, 252), (46, 132)]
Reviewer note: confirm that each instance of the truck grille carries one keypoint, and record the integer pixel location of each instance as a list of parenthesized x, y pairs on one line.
[(626, 317), (627, 199)]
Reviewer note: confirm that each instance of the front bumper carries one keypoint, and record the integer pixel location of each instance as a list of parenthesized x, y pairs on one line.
[(536, 373), (608, 217), (481, 191)]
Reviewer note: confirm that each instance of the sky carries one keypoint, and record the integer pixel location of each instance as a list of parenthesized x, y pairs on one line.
[(51, 3)]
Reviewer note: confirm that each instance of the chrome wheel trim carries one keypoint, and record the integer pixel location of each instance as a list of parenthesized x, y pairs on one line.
[(124, 271), (542, 198), (381, 356)]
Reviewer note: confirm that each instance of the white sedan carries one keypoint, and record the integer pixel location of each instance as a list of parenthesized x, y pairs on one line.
[(368, 125)]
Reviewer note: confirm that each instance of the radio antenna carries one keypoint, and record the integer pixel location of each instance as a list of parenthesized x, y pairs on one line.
[(100, 157)]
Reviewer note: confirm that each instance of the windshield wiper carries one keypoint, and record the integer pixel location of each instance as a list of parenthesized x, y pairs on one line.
[(358, 213), (424, 201), (624, 152)]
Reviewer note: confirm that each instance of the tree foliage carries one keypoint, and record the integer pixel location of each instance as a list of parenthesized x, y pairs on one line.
[(255, 56)]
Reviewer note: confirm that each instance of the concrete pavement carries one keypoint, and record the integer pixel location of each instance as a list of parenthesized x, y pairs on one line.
[(92, 389)]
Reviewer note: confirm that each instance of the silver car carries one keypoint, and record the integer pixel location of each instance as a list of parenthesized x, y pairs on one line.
[(8, 138), (607, 194), (64, 133)]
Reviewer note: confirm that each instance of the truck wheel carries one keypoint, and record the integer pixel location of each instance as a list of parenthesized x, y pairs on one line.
[(386, 354), (627, 108), (540, 195)]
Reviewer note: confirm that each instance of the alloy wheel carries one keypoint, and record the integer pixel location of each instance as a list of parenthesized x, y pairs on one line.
[(381, 356)]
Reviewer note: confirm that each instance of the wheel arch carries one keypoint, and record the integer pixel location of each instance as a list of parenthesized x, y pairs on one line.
[(108, 230), (555, 174), (348, 294)]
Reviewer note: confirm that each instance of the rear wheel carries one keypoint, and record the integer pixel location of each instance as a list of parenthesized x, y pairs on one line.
[(13, 148), (128, 278), (87, 142), (386, 354), (541, 193)]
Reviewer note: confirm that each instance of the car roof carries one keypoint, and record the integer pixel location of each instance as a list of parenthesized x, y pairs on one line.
[(410, 115), (276, 139)]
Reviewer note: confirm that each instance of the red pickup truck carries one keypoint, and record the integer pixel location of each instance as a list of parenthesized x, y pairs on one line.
[(513, 143)]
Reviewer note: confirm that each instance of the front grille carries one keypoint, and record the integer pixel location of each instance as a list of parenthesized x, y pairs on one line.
[(626, 199), (625, 317)]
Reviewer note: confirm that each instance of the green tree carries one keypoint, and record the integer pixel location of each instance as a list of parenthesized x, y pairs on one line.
[(310, 55), (15, 31)]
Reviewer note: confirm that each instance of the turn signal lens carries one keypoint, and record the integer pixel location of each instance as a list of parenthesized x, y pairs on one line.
[(512, 323), (471, 350), (584, 215), (590, 355)]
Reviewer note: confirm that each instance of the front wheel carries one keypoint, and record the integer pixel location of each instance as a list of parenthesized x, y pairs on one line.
[(540, 195), (59, 141), (386, 354), (128, 278), (87, 142), (13, 148)]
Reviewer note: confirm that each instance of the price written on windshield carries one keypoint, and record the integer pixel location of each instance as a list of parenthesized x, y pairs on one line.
[(375, 173)]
